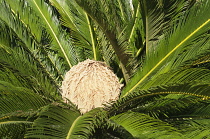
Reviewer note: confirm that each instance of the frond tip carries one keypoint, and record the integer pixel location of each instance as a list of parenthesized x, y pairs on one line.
[(90, 84)]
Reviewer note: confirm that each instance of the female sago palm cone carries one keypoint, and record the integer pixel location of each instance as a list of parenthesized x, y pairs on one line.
[(90, 84)]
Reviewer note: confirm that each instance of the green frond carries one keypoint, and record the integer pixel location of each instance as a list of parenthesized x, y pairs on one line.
[(161, 100), (175, 107), (18, 129), (18, 99), (18, 107), (83, 126), (195, 56), (153, 18), (85, 32), (105, 48), (26, 44), (26, 15), (57, 122), (93, 39), (61, 122), (141, 125), (202, 110), (112, 26), (53, 122), (193, 128), (33, 78), (137, 34), (159, 16), (111, 130), (198, 134), (162, 57), (67, 17), (27, 26), (60, 41), (80, 25), (197, 129), (201, 62), (180, 76)]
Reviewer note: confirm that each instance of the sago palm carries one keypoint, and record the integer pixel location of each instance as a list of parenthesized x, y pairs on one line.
[(159, 50)]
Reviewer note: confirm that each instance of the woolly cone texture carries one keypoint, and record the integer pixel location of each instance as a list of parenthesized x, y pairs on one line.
[(89, 84)]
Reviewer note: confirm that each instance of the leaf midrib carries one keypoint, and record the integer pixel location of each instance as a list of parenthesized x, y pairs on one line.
[(72, 127), (91, 36), (12, 122)]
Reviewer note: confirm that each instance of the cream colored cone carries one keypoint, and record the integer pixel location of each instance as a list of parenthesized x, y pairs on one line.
[(89, 84)]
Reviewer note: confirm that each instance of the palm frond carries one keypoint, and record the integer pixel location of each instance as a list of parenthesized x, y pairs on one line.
[(198, 134), (202, 109), (18, 98), (159, 16), (83, 126), (22, 11), (112, 26), (27, 45), (194, 56), (56, 122), (80, 25), (142, 99), (60, 42), (197, 129), (175, 107), (111, 130), (137, 34), (202, 62), (18, 129), (193, 128), (179, 76), (32, 78), (142, 125), (152, 17), (18, 106), (107, 52), (160, 60), (24, 22)]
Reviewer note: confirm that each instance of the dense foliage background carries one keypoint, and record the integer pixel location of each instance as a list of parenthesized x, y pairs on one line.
[(159, 49)]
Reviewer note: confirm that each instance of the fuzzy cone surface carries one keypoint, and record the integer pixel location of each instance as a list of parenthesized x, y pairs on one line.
[(89, 84)]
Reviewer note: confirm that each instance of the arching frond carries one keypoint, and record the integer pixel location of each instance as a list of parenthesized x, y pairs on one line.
[(83, 126), (159, 16), (18, 106), (18, 98), (58, 122), (112, 26), (80, 25), (160, 60), (197, 129), (25, 45), (60, 42), (18, 129), (161, 100), (32, 78), (143, 126), (26, 25), (180, 76), (193, 128), (174, 108)]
